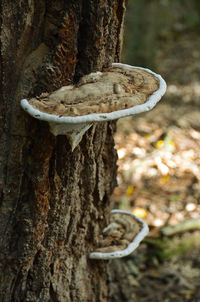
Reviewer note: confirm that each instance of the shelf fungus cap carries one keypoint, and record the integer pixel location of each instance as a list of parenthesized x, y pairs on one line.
[(119, 91), (121, 237)]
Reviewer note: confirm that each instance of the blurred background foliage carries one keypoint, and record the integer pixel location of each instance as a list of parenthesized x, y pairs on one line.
[(152, 23), (159, 154)]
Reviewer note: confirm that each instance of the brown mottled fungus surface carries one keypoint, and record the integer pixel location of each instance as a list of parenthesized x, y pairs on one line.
[(119, 233), (100, 92)]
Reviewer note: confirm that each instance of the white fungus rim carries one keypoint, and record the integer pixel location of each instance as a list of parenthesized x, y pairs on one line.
[(153, 99), (131, 247)]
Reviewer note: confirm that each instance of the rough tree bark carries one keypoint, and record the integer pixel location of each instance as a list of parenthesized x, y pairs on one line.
[(53, 203)]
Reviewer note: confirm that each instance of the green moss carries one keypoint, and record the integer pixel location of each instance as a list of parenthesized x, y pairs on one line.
[(165, 249)]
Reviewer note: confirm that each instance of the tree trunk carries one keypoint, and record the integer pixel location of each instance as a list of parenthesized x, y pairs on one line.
[(53, 202)]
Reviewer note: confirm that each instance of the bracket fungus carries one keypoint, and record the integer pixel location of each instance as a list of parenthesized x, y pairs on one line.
[(119, 91), (121, 237)]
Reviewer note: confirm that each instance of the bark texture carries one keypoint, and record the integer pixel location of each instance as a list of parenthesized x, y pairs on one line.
[(53, 203)]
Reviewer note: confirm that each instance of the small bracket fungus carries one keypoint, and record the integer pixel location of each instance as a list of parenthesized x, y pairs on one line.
[(119, 91), (121, 237)]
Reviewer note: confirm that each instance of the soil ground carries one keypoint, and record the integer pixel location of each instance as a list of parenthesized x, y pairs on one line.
[(159, 179)]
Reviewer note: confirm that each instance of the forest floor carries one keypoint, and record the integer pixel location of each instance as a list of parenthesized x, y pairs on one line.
[(159, 180)]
